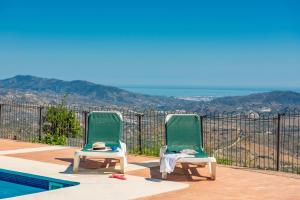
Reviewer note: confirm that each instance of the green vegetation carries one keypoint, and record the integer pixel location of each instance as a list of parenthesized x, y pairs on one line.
[(297, 170), (150, 146), (224, 161), (59, 123)]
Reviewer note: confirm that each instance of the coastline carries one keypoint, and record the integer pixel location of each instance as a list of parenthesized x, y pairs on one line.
[(200, 93)]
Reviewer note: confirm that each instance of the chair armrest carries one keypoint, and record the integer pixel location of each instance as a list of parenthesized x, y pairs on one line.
[(162, 150)]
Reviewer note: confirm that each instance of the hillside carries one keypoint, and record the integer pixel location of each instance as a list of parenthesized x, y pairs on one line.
[(276, 101), (37, 90), (46, 90)]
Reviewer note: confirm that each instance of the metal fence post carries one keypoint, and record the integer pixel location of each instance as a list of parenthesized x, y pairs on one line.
[(85, 113), (40, 123), (278, 142), (0, 115), (1, 120), (201, 129), (139, 115)]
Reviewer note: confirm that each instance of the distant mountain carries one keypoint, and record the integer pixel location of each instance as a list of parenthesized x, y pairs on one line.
[(31, 89), (79, 92), (269, 98), (276, 101)]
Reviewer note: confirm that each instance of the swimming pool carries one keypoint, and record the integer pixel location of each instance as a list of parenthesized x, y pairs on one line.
[(14, 183)]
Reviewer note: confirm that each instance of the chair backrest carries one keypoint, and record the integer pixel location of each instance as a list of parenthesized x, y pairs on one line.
[(183, 131), (104, 127)]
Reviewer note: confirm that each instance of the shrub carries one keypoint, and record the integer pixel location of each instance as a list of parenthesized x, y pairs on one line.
[(60, 124), (224, 161)]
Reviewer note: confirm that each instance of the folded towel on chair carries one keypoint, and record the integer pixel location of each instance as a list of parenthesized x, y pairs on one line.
[(189, 151)]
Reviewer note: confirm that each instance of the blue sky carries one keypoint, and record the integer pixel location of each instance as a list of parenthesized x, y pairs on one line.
[(194, 43)]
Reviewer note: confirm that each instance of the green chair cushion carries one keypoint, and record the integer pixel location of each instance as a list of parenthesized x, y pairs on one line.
[(183, 132), (104, 127)]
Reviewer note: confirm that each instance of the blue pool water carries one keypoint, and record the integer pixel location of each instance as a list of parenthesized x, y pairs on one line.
[(8, 189), (14, 184)]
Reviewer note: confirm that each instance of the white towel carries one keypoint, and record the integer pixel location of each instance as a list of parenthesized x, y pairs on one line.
[(168, 161), (189, 151), (124, 150)]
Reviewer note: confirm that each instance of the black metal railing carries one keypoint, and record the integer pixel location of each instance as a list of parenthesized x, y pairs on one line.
[(264, 141), (257, 140)]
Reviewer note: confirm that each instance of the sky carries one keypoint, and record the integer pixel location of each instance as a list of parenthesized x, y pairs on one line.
[(171, 43)]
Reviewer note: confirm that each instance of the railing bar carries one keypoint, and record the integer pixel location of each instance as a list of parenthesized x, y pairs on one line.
[(269, 131), (298, 142), (293, 140), (254, 141), (218, 134), (231, 142)]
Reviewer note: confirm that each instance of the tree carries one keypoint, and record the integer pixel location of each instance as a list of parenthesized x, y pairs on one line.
[(60, 123)]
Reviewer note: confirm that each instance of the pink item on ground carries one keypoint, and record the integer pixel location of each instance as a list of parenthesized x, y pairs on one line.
[(118, 176)]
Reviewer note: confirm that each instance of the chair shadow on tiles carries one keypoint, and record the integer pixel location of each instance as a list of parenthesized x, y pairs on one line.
[(93, 166), (184, 172)]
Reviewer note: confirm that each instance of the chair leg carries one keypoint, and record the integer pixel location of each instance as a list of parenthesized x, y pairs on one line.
[(209, 168), (76, 163), (164, 175), (213, 171), (122, 165)]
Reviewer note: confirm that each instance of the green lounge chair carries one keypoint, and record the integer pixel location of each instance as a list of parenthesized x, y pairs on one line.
[(103, 127), (183, 132)]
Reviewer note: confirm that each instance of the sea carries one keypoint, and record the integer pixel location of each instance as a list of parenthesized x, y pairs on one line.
[(200, 93)]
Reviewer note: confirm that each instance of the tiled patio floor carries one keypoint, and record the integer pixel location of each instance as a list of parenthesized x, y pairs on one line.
[(232, 183), (13, 144)]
